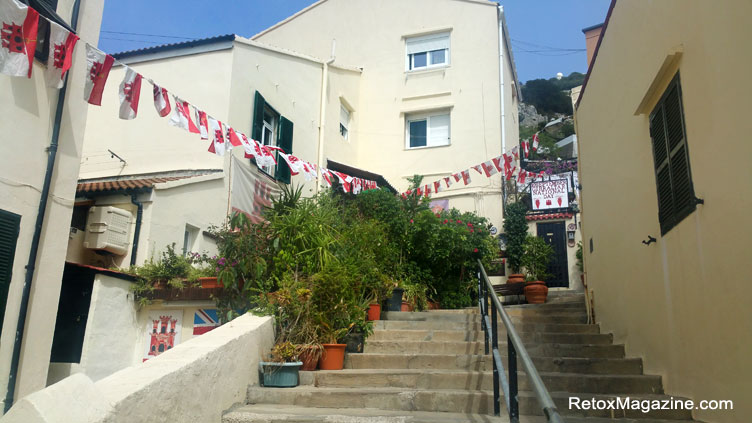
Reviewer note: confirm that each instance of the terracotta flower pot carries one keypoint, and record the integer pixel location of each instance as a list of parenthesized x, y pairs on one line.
[(516, 278), (406, 306), (309, 359), (374, 311), (210, 282), (333, 357), (536, 292), (433, 305)]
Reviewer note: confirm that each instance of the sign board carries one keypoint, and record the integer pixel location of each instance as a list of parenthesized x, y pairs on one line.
[(550, 194)]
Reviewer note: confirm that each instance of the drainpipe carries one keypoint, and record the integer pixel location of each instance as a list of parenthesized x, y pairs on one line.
[(34, 250), (500, 15), (322, 116), (137, 231)]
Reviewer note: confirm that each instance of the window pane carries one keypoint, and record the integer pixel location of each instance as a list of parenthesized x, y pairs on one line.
[(420, 60), (438, 57), (438, 130), (418, 133)]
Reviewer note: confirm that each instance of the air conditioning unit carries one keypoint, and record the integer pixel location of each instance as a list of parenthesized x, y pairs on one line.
[(108, 229)]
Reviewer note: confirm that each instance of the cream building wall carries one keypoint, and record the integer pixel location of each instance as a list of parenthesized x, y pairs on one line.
[(372, 35), (682, 303), (27, 111)]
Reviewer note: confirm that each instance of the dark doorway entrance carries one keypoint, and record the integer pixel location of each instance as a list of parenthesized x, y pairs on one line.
[(555, 235)]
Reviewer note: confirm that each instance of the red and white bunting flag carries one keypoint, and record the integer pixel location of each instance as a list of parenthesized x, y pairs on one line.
[(457, 177), (419, 192), (526, 148), (516, 152), (60, 55), (98, 68), (181, 116), (247, 145), (357, 186), (326, 175), (263, 154), (130, 91), (292, 162), (437, 186), (497, 164), (18, 38), (448, 181), (521, 177), (345, 180), (161, 100), (233, 138), (466, 177), (489, 168), (203, 124), (535, 142), (426, 190), (309, 171), (217, 145), (478, 169)]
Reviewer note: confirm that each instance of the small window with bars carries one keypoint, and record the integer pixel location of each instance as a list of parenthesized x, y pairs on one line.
[(676, 195)]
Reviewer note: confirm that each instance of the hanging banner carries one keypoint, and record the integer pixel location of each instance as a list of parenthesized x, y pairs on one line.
[(549, 194), (250, 193)]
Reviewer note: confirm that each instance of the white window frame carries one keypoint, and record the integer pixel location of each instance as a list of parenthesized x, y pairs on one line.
[(413, 47), (428, 117), (271, 127), (344, 112)]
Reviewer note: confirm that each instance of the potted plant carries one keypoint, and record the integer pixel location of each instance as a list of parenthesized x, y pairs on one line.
[(535, 260), (333, 356), (515, 227), (414, 298), (282, 371), (309, 355), (394, 303), (356, 337), (580, 267)]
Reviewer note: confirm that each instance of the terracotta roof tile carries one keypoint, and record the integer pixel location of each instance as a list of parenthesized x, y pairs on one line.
[(125, 184), (549, 216)]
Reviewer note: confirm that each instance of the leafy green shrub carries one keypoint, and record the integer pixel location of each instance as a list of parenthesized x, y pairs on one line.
[(535, 260), (515, 227)]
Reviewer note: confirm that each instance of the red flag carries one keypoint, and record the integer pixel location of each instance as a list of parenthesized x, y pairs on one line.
[(217, 145), (203, 124), (521, 177), (457, 177), (478, 169), (18, 38), (98, 69), (489, 168), (437, 186), (448, 181), (181, 116), (535, 142), (232, 136), (497, 164), (526, 148), (60, 55), (466, 177), (130, 91), (161, 101)]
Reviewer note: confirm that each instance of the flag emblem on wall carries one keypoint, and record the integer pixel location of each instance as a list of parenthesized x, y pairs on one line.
[(204, 320)]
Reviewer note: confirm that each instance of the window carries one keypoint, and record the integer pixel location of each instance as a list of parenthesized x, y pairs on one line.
[(9, 225), (427, 130), (271, 128), (676, 196), (190, 236), (344, 121), (427, 51)]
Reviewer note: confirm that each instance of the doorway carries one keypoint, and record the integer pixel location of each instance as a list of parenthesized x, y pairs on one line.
[(555, 235)]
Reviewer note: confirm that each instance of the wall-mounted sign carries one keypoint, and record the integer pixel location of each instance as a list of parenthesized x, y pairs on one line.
[(162, 331), (549, 194)]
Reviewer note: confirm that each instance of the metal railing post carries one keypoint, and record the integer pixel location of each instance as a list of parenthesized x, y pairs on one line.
[(495, 343), (485, 313), (514, 408)]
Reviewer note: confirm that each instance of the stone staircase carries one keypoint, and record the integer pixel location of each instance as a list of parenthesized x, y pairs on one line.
[(430, 367)]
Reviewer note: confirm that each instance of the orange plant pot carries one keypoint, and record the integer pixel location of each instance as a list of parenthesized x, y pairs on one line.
[(516, 278), (374, 311), (406, 306), (308, 357), (433, 305), (536, 292), (210, 282), (333, 357)]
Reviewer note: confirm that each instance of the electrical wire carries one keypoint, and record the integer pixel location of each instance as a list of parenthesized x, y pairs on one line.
[(126, 39), (147, 35)]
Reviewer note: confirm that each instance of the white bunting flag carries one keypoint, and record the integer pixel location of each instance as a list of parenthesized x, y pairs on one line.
[(489, 168), (130, 91), (344, 179), (448, 181), (161, 100), (478, 169), (217, 145), (233, 138), (181, 116), (535, 142), (526, 148), (263, 154), (18, 38), (203, 124), (98, 68), (521, 177), (466, 177), (60, 54), (437, 186)]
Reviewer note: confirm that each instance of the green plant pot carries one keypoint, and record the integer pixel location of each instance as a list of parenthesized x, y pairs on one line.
[(279, 375)]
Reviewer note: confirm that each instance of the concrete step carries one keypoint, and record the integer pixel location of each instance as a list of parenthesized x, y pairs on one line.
[(557, 317), (458, 336), (519, 326), (442, 400), (475, 380), (535, 350), (531, 309), (617, 366), (272, 413)]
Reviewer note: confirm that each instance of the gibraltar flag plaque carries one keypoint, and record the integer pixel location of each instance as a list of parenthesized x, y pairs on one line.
[(549, 194)]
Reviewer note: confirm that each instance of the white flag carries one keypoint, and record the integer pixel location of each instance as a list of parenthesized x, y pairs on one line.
[(161, 101), (203, 124), (18, 38), (217, 145), (98, 68), (130, 91), (181, 116), (60, 55)]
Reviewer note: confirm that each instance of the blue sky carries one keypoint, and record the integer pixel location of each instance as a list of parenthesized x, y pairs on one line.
[(535, 26)]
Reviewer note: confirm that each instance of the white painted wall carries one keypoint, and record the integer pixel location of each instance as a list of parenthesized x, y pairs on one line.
[(27, 110), (216, 368)]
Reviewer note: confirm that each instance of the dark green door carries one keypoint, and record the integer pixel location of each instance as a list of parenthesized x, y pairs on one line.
[(9, 224), (555, 235)]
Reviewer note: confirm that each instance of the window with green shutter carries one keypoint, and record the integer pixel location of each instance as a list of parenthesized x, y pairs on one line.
[(9, 224), (676, 196), (270, 128)]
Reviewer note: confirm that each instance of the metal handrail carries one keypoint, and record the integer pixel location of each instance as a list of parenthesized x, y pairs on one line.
[(515, 348)]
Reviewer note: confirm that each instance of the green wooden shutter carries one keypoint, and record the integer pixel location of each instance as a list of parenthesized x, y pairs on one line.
[(258, 117), (9, 224), (285, 143), (676, 197)]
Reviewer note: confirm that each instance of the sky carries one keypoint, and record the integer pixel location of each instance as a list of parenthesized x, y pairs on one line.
[(546, 34)]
